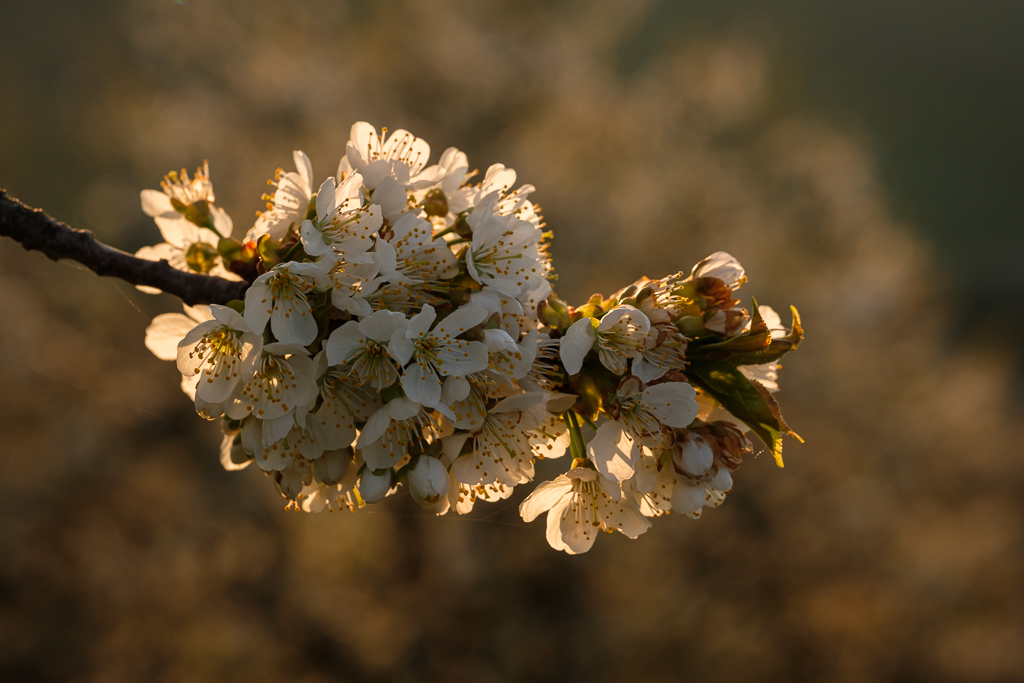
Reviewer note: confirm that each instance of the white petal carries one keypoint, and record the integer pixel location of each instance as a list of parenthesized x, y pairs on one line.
[(544, 497), (325, 205), (695, 456), (304, 166), (673, 403), (576, 344), (451, 446), (428, 479), (373, 488), (156, 203), (164, 333), (646, 473), (391, 197), (363, 144), (721, 265), (222, 221), (382, 325), (387, 257), (421, 322), (312, 239), (344, 343), (647, 371), (258, 304), (470, 358), (612, 451), (687, 498), (454, 389), (375, 427), (292, 322), (401, 348), (722, 481), (577, 536), (402, 408), (421, 386), (632, 523), (519, 402), (461, 321)]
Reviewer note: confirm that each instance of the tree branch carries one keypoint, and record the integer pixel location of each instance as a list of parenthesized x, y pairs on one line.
[(38, 232)]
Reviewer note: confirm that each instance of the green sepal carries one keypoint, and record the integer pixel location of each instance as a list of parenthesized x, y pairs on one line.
[(753, 347), (747, 400), (236, 305), (269, 251)]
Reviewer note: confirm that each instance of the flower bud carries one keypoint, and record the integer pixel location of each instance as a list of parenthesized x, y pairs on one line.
[(730, 444), (244, 261), (269, 251), (374, 486), (201, 257), (462, 228), (289, 482), (428, 480), (331, 467), (688, 498), (229, 249), (722, 481), (693, 455), (435, 203), (554, 313)]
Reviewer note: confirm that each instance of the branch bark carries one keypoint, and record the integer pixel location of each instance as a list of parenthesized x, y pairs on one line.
[(36, 231)]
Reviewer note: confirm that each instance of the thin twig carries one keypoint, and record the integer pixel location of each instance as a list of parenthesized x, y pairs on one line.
[(36, 231)]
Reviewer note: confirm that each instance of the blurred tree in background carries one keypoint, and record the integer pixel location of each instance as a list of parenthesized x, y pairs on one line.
[(890, 548)]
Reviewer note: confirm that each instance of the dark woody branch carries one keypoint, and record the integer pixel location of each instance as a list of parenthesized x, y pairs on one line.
[(38, 232)]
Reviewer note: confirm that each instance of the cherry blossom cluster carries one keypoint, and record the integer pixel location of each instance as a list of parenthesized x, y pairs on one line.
[(400, 328)]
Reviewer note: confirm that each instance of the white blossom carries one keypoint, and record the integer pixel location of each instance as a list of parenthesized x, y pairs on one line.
[(580, 503), (437, 352), (390, 166), (503, 252), (290, 202), (641, 416), (619, 337), (353, 279), (279, 296), (282, 383), (222, 353), (411, 259), (501, 450), (364, 346), (392, 430), (723, 266), (342, 223)]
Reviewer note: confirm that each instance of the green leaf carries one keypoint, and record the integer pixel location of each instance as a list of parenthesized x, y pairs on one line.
[(753, 347), (747, 399)]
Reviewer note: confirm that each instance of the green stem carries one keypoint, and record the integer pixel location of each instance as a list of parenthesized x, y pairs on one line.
[(450, 228), (576, 445), (287, 256)]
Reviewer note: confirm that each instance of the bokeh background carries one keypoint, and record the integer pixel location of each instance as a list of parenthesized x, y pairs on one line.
[(862, 160)]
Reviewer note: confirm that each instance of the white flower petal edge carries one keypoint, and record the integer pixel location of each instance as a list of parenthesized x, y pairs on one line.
[(576, 344)]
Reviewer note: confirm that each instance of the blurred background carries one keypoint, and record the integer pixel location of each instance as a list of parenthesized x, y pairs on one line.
[(861, 159)]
